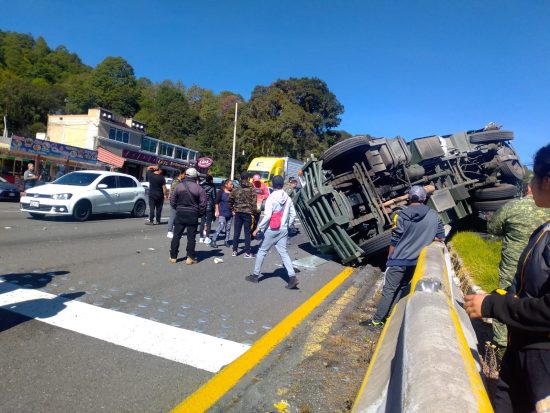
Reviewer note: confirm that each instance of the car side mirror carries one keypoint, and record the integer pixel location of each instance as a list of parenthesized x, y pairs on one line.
[(102, 186)]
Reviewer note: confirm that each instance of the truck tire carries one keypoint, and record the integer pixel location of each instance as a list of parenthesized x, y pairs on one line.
[(376, 243), (489, 206), (502, 191), (491, 136), (350, 150), (512, 171)]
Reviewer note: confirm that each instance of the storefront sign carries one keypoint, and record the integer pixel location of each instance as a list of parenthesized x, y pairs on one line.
[(138, 156), (53, 149), (204, 162), (172, 164)]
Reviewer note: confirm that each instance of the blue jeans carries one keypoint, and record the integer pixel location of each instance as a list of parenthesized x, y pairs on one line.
[(224, 225), (279, 240), (171, 219)]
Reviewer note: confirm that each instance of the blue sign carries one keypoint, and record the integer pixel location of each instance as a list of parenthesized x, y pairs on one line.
[(53, 149)]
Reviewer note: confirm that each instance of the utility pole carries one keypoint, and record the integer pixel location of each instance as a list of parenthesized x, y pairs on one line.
[(234, 143)]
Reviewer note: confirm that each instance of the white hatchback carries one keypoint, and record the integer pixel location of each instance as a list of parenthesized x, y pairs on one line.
[(84, 193)]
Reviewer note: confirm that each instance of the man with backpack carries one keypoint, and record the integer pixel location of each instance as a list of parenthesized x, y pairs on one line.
[(279, 214)]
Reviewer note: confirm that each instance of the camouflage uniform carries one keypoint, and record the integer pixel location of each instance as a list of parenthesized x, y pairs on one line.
[(514, 222), (243, 199)]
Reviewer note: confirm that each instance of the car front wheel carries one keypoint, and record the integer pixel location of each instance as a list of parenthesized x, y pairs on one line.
[(82, 211)]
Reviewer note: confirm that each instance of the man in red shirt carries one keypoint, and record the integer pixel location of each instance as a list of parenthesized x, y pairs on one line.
[(262, 193)]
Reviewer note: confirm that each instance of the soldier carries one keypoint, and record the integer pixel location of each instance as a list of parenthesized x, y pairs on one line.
[(242, 201), (514, 222)]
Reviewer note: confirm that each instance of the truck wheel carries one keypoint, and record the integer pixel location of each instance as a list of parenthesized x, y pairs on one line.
[(489, 206), (512, 171), (502, 191), (350, 150), (491, 136), (376, 243)]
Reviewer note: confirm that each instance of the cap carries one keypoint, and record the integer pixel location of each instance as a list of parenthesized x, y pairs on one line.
[(417, 194), (191, 173), (256, 177), (244, 176), (277, 182)]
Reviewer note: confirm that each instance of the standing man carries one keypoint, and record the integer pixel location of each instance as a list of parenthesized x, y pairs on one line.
[(189, 201), (157, 193), (262, 193), (175, 182), (208, 217), (279, 214), (242, 202), (415, 227), (29, 177), (514, 222)]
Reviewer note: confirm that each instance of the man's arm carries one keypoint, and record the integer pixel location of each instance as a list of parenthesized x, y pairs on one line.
[(165, 191), (174, 198), (497, 223), (440, 234), (202, 201)]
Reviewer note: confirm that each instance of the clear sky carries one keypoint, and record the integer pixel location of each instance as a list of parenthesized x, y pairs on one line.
[(409, 68)]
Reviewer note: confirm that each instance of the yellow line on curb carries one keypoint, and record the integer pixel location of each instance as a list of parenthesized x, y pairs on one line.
[(225, 379)]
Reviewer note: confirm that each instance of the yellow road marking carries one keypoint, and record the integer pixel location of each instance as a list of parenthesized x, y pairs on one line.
[(321, 328), (226, 378)]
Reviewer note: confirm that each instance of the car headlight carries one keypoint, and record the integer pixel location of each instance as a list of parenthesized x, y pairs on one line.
[(62, 196)]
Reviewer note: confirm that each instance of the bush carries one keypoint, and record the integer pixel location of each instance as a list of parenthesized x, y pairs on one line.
[(480, 258)]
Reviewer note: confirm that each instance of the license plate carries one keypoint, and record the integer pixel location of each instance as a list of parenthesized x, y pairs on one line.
[(35, 204), (12, 194)]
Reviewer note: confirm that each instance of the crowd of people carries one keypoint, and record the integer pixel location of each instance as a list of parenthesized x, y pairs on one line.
[(194, 207)]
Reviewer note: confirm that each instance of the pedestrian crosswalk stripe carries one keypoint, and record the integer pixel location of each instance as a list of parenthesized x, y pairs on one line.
[(172, 343)]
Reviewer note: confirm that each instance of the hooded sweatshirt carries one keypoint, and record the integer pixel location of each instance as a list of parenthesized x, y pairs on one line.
[(275, 202), (415, 227)]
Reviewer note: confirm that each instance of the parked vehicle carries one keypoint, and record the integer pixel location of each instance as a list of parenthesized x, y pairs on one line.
[(268, 167), (353, 191), (8, 191), (83, 193)]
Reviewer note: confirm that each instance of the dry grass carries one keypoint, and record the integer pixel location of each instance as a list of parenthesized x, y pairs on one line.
[(479, 257)]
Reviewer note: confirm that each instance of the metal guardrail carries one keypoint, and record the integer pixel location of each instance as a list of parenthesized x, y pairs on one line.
[(426, 358)]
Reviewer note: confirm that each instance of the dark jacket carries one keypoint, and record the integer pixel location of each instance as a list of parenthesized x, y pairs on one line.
[(414, 228), (243, 199), (529, 320), (210, 191), (188, 197)]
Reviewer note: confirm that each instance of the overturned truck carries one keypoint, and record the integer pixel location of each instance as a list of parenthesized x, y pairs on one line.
[(351, 194)]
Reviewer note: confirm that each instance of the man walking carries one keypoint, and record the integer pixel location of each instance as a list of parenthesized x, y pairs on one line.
[(189, 201), (278, 216), (242, 202), (157, 193), (172, 217), (415, 227), (514, 222)]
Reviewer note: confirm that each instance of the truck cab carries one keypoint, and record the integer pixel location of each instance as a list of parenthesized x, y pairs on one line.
[(267, 168)]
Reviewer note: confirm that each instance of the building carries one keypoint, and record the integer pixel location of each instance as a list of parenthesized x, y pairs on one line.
[(120, 142)]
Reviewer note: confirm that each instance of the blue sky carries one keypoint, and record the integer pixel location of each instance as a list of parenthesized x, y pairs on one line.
[(409, 68)]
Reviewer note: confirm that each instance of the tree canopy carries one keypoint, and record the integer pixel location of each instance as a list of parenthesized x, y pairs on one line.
[(291, 117)]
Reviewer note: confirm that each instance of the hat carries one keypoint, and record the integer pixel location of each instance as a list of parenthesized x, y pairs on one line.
[(277, 182), (256, 178), (292, 179), (191, 173), (417, 194), (244, 176)]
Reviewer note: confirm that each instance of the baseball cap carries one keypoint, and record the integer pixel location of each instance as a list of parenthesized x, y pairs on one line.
[(191, 173), (417, 194), (256, 177), (277, 182)]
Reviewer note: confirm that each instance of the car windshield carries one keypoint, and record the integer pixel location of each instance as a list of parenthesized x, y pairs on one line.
[(77, 179), (263, 174)]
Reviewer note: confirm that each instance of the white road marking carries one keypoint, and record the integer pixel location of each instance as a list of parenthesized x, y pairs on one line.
[(172, 343)]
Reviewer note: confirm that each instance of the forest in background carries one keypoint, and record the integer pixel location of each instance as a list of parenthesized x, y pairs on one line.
[(293, 117)]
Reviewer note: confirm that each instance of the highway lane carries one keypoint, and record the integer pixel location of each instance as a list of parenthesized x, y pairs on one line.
[(115, 267)]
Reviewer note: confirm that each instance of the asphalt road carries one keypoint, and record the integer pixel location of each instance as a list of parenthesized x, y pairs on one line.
[(110, 273)]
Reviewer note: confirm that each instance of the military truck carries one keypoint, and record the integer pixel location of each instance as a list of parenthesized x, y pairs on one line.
[(355, 188)]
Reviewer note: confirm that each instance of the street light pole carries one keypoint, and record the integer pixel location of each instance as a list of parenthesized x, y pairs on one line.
[(234, 143)]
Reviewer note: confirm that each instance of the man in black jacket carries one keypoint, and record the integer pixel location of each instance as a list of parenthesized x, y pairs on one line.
[(189, 201), (157, 193)]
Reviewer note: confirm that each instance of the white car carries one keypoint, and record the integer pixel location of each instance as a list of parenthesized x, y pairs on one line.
[(84, 193)]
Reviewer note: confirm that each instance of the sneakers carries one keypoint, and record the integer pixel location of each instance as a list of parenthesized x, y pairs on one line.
[(292, 283), (173, 260), (234, 253), (207, 240), (149, 223), (190, 261), (372, 324), (248, 255), (253, 278), (201, 240), (170, 234)]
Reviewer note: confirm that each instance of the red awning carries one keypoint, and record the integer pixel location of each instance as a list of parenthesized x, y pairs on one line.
[(103, 155)]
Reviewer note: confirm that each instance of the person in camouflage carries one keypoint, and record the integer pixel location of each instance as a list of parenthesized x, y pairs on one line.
[(514, 222), (242, 201)]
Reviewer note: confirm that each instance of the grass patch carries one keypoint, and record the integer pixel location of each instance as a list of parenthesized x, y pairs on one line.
[(479, 257)]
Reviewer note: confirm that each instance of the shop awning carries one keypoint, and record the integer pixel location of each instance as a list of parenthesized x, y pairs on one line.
[(103, 155)]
